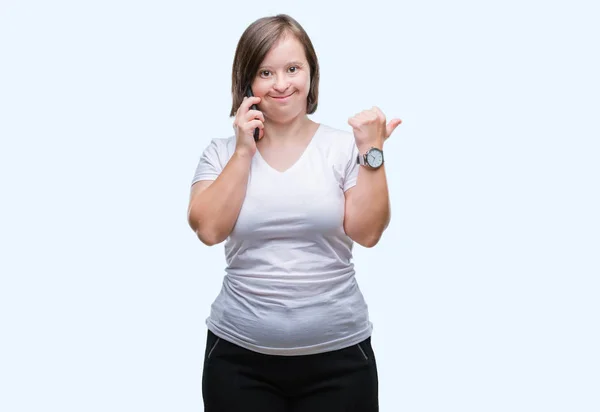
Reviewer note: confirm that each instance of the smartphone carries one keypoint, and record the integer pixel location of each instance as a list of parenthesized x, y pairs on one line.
[(253, 107)]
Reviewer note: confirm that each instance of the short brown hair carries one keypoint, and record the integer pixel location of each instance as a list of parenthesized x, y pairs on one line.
[(253, 46)]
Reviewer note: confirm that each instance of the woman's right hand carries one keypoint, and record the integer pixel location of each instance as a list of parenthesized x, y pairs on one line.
[(246, 120)]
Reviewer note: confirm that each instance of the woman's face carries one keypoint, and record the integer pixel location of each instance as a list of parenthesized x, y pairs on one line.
[(283, 81)]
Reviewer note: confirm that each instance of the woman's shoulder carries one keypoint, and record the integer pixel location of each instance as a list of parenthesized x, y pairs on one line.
[(332, 135), (222, 146), (223, 142), (335, 145)]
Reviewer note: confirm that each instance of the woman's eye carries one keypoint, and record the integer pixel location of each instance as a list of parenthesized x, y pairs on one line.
[(265, 73), (293, 69)]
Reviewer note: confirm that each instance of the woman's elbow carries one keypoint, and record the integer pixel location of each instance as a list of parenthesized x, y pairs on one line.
[(369, 241), (208, 240), (207, 235), (210, 237), (363, 238)]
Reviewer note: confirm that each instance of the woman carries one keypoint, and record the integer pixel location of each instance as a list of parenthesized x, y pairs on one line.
[(290, 329)]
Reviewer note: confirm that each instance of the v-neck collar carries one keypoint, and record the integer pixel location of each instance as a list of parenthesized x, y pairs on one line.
[(299, 160)]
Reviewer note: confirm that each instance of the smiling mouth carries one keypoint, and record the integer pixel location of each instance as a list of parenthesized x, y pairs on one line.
[(282, 97)]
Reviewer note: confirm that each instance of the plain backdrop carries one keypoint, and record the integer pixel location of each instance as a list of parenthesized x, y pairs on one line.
[(484, 289)]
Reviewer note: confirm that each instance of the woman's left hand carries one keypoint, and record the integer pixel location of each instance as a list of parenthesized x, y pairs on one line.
[(370, 129)]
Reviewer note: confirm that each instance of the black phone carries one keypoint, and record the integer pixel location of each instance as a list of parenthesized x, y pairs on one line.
[(253, 107)]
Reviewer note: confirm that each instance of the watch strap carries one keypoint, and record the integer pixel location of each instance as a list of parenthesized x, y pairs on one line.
[(360, 159)]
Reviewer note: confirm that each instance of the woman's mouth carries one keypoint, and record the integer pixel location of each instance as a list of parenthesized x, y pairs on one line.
[(282, 98)]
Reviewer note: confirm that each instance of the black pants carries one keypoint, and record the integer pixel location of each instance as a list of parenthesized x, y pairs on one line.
[(236, 379)]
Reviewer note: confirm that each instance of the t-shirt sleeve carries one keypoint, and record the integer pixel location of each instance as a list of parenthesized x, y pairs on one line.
[(352, 166), (211, 162)]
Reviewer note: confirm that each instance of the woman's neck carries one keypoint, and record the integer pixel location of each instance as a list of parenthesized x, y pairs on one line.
[(288, 132)]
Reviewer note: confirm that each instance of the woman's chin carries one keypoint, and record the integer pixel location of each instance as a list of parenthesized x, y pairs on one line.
[(283, 116)]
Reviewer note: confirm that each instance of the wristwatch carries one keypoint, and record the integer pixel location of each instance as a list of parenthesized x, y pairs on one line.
[(373, 159)]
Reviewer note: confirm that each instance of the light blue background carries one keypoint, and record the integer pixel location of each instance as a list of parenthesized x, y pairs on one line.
[(484, 289)]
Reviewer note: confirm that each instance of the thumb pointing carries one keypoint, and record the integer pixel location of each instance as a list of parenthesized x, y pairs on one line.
[(391, 126)]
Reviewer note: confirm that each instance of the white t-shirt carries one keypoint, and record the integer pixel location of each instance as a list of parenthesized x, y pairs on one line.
[(289, 287)]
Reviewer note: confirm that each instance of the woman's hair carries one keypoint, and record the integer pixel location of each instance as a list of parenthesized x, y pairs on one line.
[(253, 46)]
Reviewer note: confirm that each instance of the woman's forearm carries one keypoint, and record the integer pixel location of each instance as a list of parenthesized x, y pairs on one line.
[(368, 207)]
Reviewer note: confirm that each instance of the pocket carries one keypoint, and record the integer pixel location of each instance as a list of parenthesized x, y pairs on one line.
[(362, 351), (212, 348)]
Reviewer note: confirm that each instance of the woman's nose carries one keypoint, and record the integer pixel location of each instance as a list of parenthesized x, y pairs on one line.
[(281, 84)]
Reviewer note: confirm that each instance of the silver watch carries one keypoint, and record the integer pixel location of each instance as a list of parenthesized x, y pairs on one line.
[(372, 159)]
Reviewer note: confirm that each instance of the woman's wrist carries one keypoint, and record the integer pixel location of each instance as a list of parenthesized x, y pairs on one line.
[(245, 153)]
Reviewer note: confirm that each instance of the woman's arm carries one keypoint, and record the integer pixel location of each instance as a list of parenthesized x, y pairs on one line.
[(367, 211), (215, 205)]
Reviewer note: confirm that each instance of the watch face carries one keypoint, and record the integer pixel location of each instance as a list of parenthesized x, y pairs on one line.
[(375, 157)]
